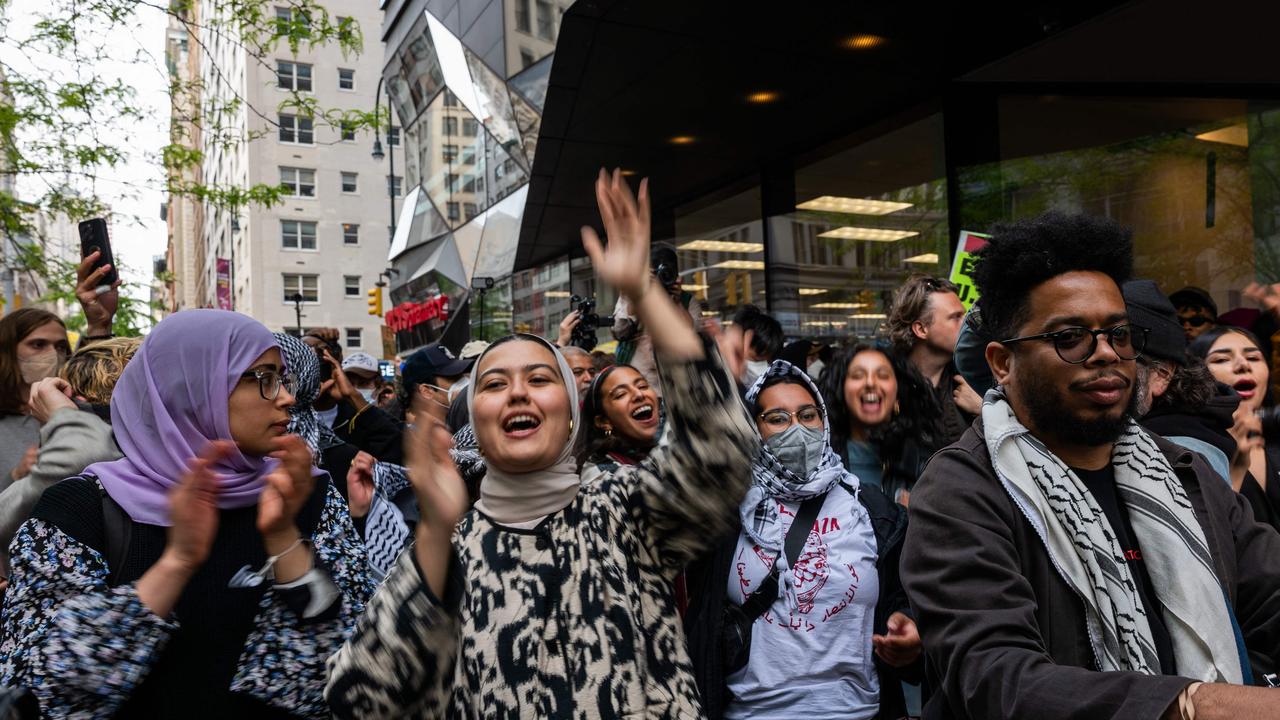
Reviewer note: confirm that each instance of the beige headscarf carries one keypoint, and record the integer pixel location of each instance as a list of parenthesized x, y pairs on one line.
[(524, 499)]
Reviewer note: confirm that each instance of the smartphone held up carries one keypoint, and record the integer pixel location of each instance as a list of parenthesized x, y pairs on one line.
[(94, 237)]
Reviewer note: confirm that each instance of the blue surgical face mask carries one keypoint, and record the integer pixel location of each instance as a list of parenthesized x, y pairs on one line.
[(367, 393), (798, 448)]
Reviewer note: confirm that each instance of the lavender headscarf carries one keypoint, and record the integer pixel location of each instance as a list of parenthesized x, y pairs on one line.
[(171, 401)]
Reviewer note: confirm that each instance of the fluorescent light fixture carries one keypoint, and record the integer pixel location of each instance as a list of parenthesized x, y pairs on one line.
[(694, 288), (872, 234), (557, 293), (838, 306), (740, 265), (853, 206), (820, 323), (1229, 135), (868, 316), (723, 246), (927, 258), (813, 291), (709, 313)]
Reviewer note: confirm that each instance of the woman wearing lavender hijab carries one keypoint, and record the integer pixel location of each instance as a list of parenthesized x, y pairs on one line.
[(207, 573)]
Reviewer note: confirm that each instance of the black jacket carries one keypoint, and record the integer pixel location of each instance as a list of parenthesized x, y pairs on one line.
[(373, 431), (1005, 635), (708, 578)]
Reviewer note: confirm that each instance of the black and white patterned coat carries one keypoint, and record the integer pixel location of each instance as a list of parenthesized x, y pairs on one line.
[(576, 617)]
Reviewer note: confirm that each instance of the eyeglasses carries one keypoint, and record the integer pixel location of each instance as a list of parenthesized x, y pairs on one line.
[(270, 382), (809, 416), (1076, 345), (1196, 320)]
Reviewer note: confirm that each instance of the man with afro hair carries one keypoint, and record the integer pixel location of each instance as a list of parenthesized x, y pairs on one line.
[(1063, 562)]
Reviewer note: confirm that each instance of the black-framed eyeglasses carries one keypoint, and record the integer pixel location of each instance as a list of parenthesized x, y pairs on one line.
[(1076, 345), (270, 382), (809, 416)]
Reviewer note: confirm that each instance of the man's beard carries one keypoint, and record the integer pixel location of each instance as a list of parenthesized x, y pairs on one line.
[(1045, 403)]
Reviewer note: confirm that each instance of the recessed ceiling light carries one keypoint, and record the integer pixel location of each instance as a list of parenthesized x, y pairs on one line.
[(683, 140), (868, 316), (761, 97), (694, 288), (1230, 135), (853, 206), (812, 291), (557, 293), (628, 173), (926, 258), (863, 41), (740, 265), (723, 246), (872, 234), (838, 306)]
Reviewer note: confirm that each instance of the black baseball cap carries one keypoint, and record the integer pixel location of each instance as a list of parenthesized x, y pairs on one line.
[(433, 361), (1192, 296)]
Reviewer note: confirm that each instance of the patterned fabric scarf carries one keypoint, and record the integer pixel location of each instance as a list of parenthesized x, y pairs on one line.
[(773, 482), (1083, 547)]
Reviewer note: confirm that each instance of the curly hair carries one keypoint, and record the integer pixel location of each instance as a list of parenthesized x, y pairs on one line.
[(1191, 385), (93, 370), (1023, 254), (919, 415), (911, 305)]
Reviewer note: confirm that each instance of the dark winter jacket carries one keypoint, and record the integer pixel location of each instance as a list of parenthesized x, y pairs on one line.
[(708, 580), (1005, 635)]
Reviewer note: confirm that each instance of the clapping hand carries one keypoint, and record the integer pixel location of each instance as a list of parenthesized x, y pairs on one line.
[(288, 487), (193, 508), (360, 486)]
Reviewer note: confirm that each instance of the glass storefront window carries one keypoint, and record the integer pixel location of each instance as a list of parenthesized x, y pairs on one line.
[(865, 219), (720, 248), (1194, 179)]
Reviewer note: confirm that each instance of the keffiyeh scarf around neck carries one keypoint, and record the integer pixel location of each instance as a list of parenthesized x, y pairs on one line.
[(773, 482), (1083, 547)]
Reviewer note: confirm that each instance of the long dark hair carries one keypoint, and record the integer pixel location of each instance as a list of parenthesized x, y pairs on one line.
[(14, 328), (593, 444), (918, 417)]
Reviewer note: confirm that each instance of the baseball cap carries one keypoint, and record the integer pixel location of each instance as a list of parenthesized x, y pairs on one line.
[(473, 349), (1192, 296), (431, 362), (361, 361)]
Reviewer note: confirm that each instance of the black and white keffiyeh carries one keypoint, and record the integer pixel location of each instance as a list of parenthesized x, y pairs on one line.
[(1082, 546), (772, 482)]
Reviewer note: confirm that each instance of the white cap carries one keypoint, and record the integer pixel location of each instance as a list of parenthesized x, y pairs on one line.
[(473, 349), (361, 361)]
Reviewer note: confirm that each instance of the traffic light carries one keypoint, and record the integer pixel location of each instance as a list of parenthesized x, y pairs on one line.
[(375, 301)]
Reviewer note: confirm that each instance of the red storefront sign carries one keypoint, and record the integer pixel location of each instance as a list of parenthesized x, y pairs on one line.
[(407, 315)]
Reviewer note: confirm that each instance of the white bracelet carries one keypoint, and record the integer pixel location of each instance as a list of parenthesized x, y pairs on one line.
[(271, 561)]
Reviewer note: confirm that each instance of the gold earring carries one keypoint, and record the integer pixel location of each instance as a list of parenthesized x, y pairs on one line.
[(896, 409), (608, 432)]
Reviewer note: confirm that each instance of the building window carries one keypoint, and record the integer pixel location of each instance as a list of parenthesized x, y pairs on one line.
[(306, 285), (348, 130), (450, 100), (293, 76), (451, 182), (301, 182), (469, 155), (546, 20), (451, 126), (468, 183), (349, 182), (353, 338), (393, 185), (452, 209), (449, 153), (393, 136), (526, 58), (350, 234), (522, 16), (297, 235), (470, 127), (286, 15), (351, 285), (294, 129), (346, 79), (469, 210)]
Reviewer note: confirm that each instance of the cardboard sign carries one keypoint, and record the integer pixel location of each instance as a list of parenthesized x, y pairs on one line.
[(962, 267)]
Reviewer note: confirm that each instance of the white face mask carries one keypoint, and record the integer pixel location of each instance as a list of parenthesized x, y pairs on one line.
[(367, 393), (456, 389), (38, 367), (755, 368)]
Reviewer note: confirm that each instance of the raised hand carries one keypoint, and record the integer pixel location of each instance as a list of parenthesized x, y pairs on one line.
[(442, 498), (624, 262), (731, 345), (99, 307), (193, 509), (360, 487), (567, 325), (287, 490), (339, 386), (48, 396), (901, 646)]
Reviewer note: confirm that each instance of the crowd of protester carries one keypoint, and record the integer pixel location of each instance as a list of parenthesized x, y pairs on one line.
[(1060, 503)]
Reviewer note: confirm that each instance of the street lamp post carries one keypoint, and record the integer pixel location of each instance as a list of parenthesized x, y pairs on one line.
[(297, 308), (378, 154)]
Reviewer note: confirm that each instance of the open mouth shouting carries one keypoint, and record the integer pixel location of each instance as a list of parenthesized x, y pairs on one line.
[(872, 402), (521, 425), (1247, 388), (645, 414)]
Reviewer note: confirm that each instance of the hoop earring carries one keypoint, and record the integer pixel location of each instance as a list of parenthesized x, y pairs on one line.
[(896, 409)]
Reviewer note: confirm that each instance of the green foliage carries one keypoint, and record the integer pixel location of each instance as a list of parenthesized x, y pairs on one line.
[(133, 316)]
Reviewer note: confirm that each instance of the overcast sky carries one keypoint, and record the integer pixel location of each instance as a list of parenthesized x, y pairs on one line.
[(135, 188)]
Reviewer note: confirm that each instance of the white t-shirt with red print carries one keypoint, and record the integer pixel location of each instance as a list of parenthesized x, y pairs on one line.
[(816, 662)]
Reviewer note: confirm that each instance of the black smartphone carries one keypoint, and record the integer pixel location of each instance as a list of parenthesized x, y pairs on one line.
[(93, 236)]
